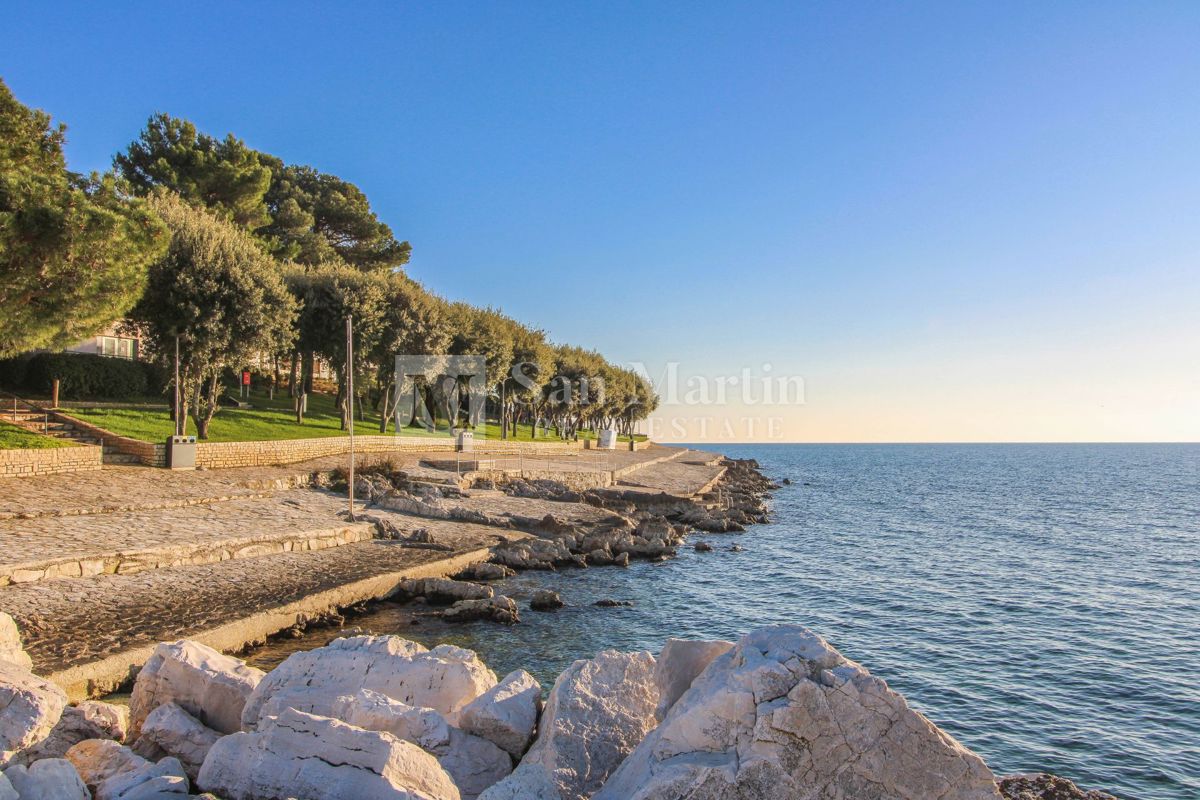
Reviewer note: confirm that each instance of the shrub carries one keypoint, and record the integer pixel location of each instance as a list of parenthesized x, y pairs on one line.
[(82, 375), (12, 372)]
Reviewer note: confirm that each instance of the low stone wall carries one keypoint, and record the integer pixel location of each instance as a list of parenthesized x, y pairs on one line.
[(49, 461), (219, 455), (148, 453)]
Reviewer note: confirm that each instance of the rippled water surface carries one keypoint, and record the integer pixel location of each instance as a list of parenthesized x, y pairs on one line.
[(1040, 602)]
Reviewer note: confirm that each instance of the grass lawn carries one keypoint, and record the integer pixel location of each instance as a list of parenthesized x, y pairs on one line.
[(13, 437), (267, 420)]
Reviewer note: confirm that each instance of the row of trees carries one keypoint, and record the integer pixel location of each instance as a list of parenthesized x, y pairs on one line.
[(236, 254)]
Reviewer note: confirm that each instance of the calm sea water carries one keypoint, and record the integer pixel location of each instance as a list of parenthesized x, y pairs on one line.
[(1040, 602)]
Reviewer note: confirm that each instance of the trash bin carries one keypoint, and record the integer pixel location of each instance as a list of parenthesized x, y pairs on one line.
[(464, 441), (181, 452)]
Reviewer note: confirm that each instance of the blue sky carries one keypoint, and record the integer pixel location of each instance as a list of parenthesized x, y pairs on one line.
[(954, 221)]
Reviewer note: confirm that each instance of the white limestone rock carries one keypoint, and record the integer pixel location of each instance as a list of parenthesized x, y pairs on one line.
[(10, 644), (783, 715), (445, 678), (90, 719), (171, 731), (49, 778), (472, 763), (681, 662), (29, 709), (210, 686), (317, 758), (506, 714), (97, 760), (166, 779), (7, 792), (597, 713)]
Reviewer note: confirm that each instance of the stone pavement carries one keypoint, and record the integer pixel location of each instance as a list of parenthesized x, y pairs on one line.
[(126, 488), (124, 542), (68, 622), (694, 472)]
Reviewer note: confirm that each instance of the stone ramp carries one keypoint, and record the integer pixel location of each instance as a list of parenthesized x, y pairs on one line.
[(299, 520), (88, 634), (692, 473)]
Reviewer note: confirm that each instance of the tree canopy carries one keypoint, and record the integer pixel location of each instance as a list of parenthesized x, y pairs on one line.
[(299, 213), (318, 218), (73, 249), (222, 174)]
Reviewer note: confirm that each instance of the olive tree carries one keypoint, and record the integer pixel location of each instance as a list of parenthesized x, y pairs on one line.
[(219, 293)]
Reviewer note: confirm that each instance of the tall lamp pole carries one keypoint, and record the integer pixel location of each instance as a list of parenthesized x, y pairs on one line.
[(350, 403), (178, 420)]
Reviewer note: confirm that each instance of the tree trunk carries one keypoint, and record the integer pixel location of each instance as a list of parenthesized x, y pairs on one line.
[(309, 365), (295, 360)]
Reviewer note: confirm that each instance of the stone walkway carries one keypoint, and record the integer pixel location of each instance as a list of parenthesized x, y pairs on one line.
[(68, 623), (132, 541), (127, 488), (691, 473)]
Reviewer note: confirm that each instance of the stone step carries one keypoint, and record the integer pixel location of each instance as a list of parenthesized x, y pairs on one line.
[(111, 456), (123, 543)]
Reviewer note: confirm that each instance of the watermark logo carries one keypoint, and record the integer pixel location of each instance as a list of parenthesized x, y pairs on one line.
[(432, 387)]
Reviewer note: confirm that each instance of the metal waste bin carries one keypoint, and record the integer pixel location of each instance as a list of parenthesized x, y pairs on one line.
[(464, 441), (608, 439), (181, 452)]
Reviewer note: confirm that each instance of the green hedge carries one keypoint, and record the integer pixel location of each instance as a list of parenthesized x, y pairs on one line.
[(81, 376)]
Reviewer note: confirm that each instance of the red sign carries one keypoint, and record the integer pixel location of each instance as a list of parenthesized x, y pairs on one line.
[(245, 377)]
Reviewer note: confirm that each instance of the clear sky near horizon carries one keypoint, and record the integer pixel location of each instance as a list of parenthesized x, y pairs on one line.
[(952, 221)]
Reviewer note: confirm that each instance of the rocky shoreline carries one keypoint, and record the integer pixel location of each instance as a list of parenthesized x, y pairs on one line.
[(777, 714)]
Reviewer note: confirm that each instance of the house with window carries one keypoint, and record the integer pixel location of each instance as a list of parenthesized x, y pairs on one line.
[(111, 342)]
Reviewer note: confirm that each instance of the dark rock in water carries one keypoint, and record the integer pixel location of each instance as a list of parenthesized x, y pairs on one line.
[(786, 481), (703, 547), (736, 548), (497, 609), (485, 571), (546, 600), (612, 603), (1043, 786)]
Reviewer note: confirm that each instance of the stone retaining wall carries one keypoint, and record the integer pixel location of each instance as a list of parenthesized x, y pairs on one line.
[(49, 461), (148, 453), (287, 451), (219, 455)]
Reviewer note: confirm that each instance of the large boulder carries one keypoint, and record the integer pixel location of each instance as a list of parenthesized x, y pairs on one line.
[(50, 778), (7, 792), (29, 709), (171, 731), (784, 715), (445, 678), (147, 781), (211, 687), (471, 762), (317, 758), (97, 760), (90, 719), (444, 590), (506, 714), (597, 713), (10, 644), (681, 662)]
